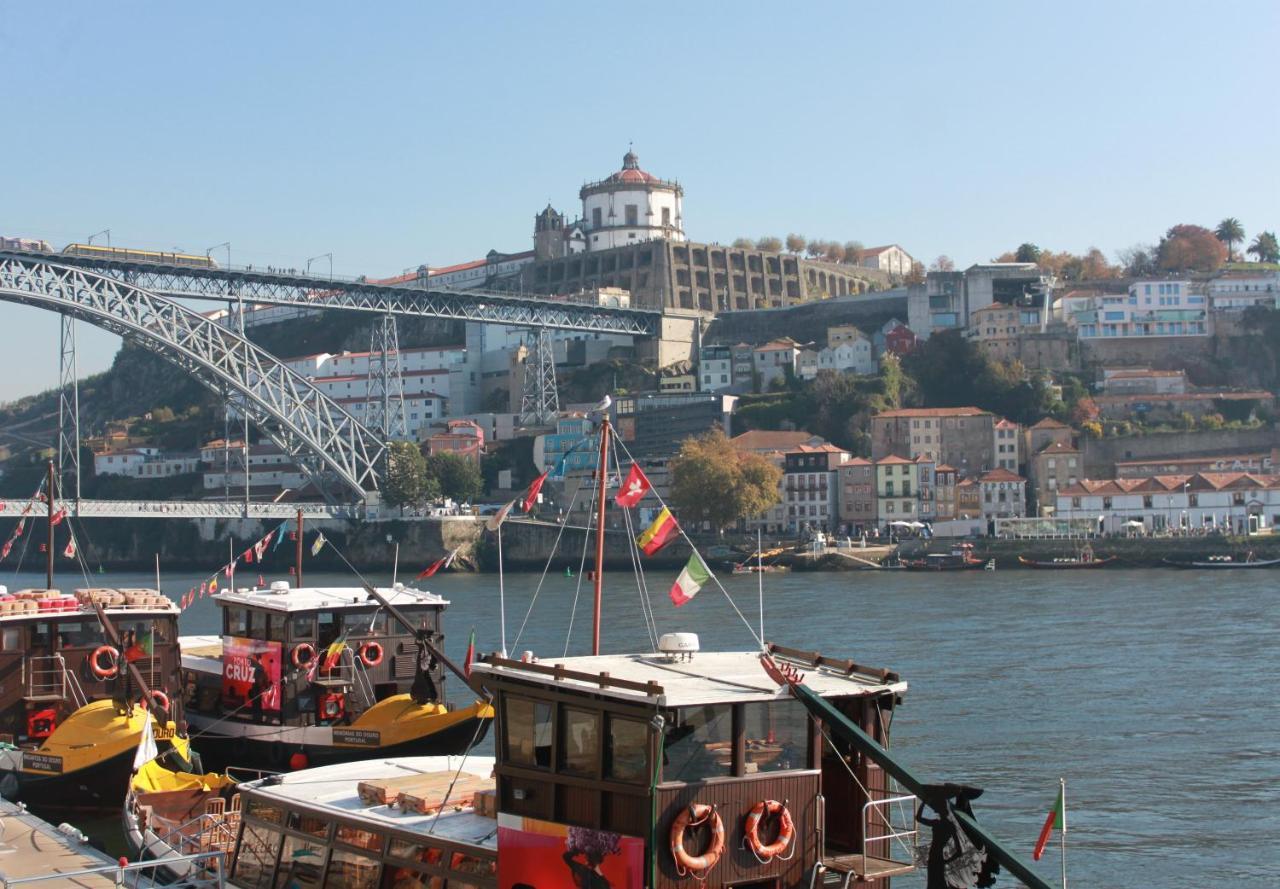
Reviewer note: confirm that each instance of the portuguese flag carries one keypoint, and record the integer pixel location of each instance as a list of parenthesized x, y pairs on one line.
[(1057, 818), (659, 534), (471, 654)]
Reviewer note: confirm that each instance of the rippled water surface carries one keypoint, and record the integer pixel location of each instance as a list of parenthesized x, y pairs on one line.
[(1154, 693)]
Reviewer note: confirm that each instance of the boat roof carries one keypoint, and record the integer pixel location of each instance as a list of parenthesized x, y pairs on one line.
[(709, 677), (279, 596), (333, 791), (78, 607)]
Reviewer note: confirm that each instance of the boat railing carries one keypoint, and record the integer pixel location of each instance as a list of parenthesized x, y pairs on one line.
[(890, 821), (48, 678), (206, 870), (206, 833), (241, 774), (360, 677)]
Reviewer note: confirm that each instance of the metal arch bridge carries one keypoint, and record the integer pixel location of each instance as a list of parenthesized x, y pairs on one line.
[(313, 430), (317, 292)]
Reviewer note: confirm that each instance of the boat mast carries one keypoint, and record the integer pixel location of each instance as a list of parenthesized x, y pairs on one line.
[(53, 496), (297, 555), (601, 473)]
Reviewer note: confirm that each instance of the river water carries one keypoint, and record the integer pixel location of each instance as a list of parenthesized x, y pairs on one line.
[(1153, 692)]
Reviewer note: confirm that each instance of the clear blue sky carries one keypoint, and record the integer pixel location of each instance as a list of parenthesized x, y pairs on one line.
[(397, 134)]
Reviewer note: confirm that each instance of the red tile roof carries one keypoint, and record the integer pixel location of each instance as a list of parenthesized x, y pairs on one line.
[(772, 440), (934, 412), (1000, 475), (892, 460), (1050, 423)]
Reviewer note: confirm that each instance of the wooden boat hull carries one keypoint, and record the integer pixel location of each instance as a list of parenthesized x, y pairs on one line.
[(1096, 563), (960, 566), (1261, 563)]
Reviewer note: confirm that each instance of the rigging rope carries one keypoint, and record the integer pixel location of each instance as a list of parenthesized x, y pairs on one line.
[(586, 539), (547, 567), (637, 568)]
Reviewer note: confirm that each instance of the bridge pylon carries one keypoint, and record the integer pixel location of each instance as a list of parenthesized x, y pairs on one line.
[(384, 401), (539, 398), (68, 409)]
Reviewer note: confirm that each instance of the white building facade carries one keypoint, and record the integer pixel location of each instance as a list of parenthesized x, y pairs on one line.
[(631, 206), (1151, 308)]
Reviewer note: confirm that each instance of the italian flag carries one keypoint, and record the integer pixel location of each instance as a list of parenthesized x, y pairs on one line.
[(691, 579), (1057, 818), (659, 534)]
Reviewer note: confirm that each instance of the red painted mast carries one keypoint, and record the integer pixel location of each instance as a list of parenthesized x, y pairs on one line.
[(53, 496), (602, 474)]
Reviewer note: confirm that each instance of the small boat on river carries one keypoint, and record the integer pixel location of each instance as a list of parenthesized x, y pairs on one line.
[(1085, 558), (1249, 560), (961, 558)]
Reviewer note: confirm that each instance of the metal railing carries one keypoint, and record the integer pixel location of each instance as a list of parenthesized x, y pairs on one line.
[(207, 871), (904, 829), (47, 677)]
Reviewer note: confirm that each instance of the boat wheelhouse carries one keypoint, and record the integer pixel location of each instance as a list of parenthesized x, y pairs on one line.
[(66, 688), (324, 674)]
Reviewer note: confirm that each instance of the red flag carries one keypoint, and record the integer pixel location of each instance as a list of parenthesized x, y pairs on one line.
[(70, 551), (229, 569), (1057, 818), (56, 519), (443, 562), (633, 489), (261, 546), (531, 495), (471, 654), (8, 545), (247, 555), (22, 524), (204, 588), (495, 521)]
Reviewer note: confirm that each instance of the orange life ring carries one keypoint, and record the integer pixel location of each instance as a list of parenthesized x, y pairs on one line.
[(371, 654), (160, 699), (691, 816), (786, 829), (300, 649), (100, 671)]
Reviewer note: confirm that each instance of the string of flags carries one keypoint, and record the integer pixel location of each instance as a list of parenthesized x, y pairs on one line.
[(255, 552), (661, 531), (18, 529)]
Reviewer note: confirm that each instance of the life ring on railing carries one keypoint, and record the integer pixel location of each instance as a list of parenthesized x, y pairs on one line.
[(751, 829), (299, 650), (371, 654), (691, 816), (109, 672), (160, 699)]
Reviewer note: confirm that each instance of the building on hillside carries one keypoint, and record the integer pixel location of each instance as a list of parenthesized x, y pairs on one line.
[(1150, 308), (890, 259), (1255, 464), (1237, 291), (631, 206), (744, 368), (853, 355), (715, 369), (1004, 494), (1055, 466), (771, 441), (900, 340), (679, 377), (1043, 433), (998, 328), (1242, 405), (775, 360), (271, 470), (856, 486), (1005, 444), (807, 363), (944, 495), (145, 463), (947, 300), (654, 426), (926, 474), (1234, 502), (567, 449), (1143, 381), (964, 437), (809, 487), (897, 490), (844, 333), (968, 499), (462, 438)]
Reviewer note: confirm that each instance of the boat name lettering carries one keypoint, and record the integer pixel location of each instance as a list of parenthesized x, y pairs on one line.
[(42, 762), (163, 734), (357, 737)]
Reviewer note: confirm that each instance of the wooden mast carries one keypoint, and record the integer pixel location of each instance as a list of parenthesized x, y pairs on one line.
[(602, 472), (53, 496), (297, 555)]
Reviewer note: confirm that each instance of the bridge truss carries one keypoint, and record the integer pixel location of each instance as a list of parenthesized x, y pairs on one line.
[(326, 441)]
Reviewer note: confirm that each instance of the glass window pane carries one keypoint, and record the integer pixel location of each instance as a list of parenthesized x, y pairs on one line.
[(777, 736), (237, 622), (304, 627), (275, 627), (579, 742), (361, 839), (265, 812), (627, 754), (700, 746), (256, 858), (528, 729), (301, 863), (351, 870), (309, 824)]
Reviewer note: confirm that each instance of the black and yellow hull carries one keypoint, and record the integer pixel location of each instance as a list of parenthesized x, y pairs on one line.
[(393, 727)]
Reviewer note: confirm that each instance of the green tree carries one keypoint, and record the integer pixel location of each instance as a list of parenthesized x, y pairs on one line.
[(1230, 232), (408, 483), (795, 243), (1265, 247), (711, 481), (459, 478), (1027, 252)]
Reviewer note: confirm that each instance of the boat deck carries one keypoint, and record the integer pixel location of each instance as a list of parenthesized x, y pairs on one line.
[(30, 847)]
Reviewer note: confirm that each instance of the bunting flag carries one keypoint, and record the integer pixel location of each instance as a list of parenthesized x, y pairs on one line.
[(213, 585), (280, 535), (56, 519), (144, 647), (261, 546), (471, 654), (495, 521), (22, 524), (229, 569), (531, 495), (691, 579), (658, 534), (319, 544), (247, 555), (147, 749), (204, 588), (70, 551), (634, 488), (443, 562), (6, 549)]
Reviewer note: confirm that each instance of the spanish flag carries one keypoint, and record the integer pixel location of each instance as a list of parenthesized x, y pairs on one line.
[(659, 534)]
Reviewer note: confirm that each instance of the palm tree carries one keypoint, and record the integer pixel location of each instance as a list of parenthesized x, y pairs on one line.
[(1230, 231), (1265, 247)]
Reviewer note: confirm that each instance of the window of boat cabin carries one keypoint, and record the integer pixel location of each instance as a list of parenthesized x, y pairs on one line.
[(328, 625), (626, 756), (355, 862), (527, 726), (137, 632), (255, 861), (368, 623), (78, 634), (776, 736), (579, 742), (275, 624), (11, 639), (699, 745), (302, 861), (302, 627), (235, 622)]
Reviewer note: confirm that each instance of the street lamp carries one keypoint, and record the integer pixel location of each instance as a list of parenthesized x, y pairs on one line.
[(105, 231), (328, 256), (226, 244), (1187, 498)]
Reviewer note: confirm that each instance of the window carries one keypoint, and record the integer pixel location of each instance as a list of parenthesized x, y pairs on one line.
[(1147, 502), (1193, 500), (257, 857), (579, 742), (351, 870), (700, 746), (596, 221), (632, 214), (1106, 502), (527, 726), (626, 758), (237, 622), (305, 863), (777, 736), (666, 216), (1075, 501), (1237, 498)]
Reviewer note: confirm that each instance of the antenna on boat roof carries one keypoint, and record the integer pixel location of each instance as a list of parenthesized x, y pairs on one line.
[(157, 572)]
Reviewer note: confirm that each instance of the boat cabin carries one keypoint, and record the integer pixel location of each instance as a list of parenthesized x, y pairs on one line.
[(50, 663), (626, 744), (309, 656)]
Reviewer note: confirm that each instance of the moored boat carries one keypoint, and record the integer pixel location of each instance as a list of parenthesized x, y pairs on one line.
[(1248, 560), (1085, 558), (961, 558)]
